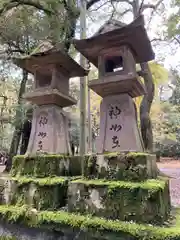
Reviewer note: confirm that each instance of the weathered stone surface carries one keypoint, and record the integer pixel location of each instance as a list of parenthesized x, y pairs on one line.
[(41, 194), (142, 202), (121, 166), (49, 131), (25, 233), (118, 125), (46, 165)]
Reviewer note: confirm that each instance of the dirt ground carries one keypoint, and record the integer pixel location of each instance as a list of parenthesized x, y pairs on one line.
[(171, 167), (169, 163)]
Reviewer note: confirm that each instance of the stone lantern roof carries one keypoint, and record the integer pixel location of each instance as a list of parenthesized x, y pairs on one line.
[(45, 57), (115, 34)]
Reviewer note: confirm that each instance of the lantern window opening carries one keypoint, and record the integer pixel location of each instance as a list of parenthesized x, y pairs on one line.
[(43, 80), (113, 64)]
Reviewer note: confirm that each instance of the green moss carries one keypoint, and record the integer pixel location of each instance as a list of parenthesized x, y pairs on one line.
[(7, 238), (130, 154), (46, 165), (120, 166), (141, 202), (111, 154), (40, 181), (98, 226), (90, 165), (45, 193), (151, 184)]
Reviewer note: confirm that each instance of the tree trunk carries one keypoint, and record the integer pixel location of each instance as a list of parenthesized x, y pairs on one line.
[(18, 119), (146, 126), (26, 131)]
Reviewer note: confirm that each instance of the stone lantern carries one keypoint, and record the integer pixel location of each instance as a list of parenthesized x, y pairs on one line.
[(115, 50), (52, 69)]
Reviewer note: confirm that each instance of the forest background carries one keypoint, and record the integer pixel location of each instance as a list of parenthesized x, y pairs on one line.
[(27, 24)]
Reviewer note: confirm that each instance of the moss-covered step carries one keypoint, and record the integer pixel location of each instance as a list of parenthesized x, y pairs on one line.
[(8, 238), (147, 202), (46, 165), (42, 193), (86, 226), (121, 166)]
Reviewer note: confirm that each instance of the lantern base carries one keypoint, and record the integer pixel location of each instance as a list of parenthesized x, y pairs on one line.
[(49, 133), (118, 125)]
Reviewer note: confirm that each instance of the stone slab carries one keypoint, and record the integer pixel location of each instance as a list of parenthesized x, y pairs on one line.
[(49, 131), (40, 194), (48, 96), (121, 166), (147, 202), (19, 232), (118, 125), (118, 84), (47, 165)]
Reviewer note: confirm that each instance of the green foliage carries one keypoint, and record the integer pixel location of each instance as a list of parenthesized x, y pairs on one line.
[(169, 150), (159, 73), (166, 122), (173, 21), (96, 226), (175, 98)]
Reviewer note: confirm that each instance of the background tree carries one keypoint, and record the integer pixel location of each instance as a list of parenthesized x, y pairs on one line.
[(25, 23)]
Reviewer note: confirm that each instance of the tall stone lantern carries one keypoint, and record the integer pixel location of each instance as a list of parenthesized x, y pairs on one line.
[(115, 50), (52, 69)]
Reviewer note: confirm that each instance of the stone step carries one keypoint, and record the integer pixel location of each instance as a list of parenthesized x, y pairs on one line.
[(41, 166), (114, 166), (39, 193), (27, 223), (146, 201), (121, 166)]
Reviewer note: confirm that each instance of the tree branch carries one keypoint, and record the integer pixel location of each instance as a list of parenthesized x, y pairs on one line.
[(152, 6), (177, 40), (93, 10), (92, 2), (72, 18), (11, 44), (157, 40), (15, 3)]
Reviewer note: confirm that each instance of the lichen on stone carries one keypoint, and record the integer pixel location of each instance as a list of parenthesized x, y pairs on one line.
[(137, 201), (46, 165), (120, 166)]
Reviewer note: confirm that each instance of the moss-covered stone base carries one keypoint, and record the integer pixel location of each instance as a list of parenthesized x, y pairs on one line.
[(47, 182), (41, 166), (41, 194), (75, 226), (147, 202), (121, 166)]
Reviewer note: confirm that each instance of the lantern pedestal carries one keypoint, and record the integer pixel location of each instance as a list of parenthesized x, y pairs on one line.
[(49, 131), (118, 125)]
